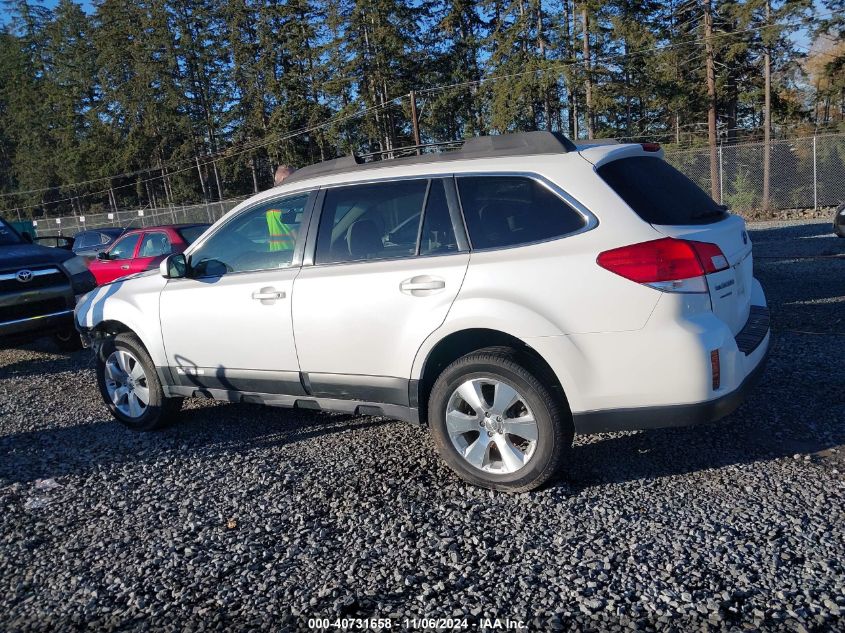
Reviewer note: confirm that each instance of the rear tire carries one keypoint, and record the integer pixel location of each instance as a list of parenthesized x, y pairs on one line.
[(68, 340), (496, 424), (130, 387)]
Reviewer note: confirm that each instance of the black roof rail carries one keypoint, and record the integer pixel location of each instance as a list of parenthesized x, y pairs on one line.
[(518, 144), (345, 163), (409, 150)]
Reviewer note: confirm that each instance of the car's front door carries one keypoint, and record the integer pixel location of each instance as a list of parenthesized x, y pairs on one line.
[(228, 324), (119, 260), (388, 263)]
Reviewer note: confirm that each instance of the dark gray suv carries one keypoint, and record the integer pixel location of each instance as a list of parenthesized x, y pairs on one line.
[(38, 290)]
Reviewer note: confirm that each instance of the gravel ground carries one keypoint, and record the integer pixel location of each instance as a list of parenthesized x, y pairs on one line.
[(248, 517)]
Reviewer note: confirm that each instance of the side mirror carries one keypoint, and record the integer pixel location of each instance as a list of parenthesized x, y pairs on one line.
[(104, 255), (174, 266), (27, 237)]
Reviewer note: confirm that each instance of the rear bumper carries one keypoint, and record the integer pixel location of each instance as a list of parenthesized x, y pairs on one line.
[(643, 418), (662, 374)]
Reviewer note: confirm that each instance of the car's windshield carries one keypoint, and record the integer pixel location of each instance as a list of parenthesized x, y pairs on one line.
[(8, 236)]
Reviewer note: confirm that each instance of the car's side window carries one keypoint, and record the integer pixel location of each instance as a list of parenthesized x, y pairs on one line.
[(510, 210), (261, 238), (370, 221), (154, 245), (125, 248)]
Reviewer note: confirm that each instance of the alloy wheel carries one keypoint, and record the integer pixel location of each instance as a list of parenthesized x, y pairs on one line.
[(126, 383), (491, 426)]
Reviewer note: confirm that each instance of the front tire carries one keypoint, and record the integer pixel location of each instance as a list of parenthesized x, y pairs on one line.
[(129, 384), (496, 424)]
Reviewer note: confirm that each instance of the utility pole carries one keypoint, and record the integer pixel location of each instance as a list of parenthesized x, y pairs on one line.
[(711, 100), (254, 174), (217, 179), (588, 83), (415, 121), (767, 116), (202, 180)]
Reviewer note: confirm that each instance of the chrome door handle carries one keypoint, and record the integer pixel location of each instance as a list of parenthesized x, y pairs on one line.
[(422, 285), (268, 295)]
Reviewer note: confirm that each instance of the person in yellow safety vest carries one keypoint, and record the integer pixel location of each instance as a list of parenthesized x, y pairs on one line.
[(282, 237)]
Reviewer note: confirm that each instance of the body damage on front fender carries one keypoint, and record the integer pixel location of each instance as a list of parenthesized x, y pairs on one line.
[(129, 304)]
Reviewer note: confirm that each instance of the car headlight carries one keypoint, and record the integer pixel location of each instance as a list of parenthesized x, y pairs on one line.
[(75, 265)]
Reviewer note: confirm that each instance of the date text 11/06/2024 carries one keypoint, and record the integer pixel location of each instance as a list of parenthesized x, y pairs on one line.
[(416, 624)]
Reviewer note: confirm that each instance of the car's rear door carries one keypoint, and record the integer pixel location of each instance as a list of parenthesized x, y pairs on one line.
[(154, 247), (381, 279), (228, 325)]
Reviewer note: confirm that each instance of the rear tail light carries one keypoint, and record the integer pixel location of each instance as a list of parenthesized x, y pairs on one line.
[(711, 257), (650, 147), (667, 264)]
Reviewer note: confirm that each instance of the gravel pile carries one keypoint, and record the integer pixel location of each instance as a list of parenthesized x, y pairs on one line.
[(247, 517)]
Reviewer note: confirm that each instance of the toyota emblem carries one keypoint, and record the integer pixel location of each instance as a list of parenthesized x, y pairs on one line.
[(24, 276)]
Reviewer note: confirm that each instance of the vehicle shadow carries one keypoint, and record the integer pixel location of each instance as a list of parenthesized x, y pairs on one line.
[(200, 431), (57, 363), (771, 424)]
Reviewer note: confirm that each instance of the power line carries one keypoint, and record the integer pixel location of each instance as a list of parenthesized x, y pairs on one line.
[(208, 159), (283, 137)]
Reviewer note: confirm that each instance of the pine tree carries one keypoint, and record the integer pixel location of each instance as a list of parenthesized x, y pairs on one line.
[(456, 37), (379, 44), (28, 120), (296, 88)]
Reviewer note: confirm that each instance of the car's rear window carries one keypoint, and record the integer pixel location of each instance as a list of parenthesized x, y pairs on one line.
[(659, 193), (191, 233)]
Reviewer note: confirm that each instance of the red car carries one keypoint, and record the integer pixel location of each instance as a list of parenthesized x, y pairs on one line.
[(143, 249)]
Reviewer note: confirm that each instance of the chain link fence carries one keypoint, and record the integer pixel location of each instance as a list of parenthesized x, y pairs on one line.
[(206, 213), (805, 173)]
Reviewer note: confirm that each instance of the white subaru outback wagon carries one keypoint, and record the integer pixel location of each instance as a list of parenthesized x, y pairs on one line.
[(509, 294)]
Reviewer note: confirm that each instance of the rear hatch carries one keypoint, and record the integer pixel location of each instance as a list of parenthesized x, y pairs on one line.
[(676, 207)]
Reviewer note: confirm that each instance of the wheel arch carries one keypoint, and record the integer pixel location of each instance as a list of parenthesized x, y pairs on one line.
[(462, 342), (110, 328)]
